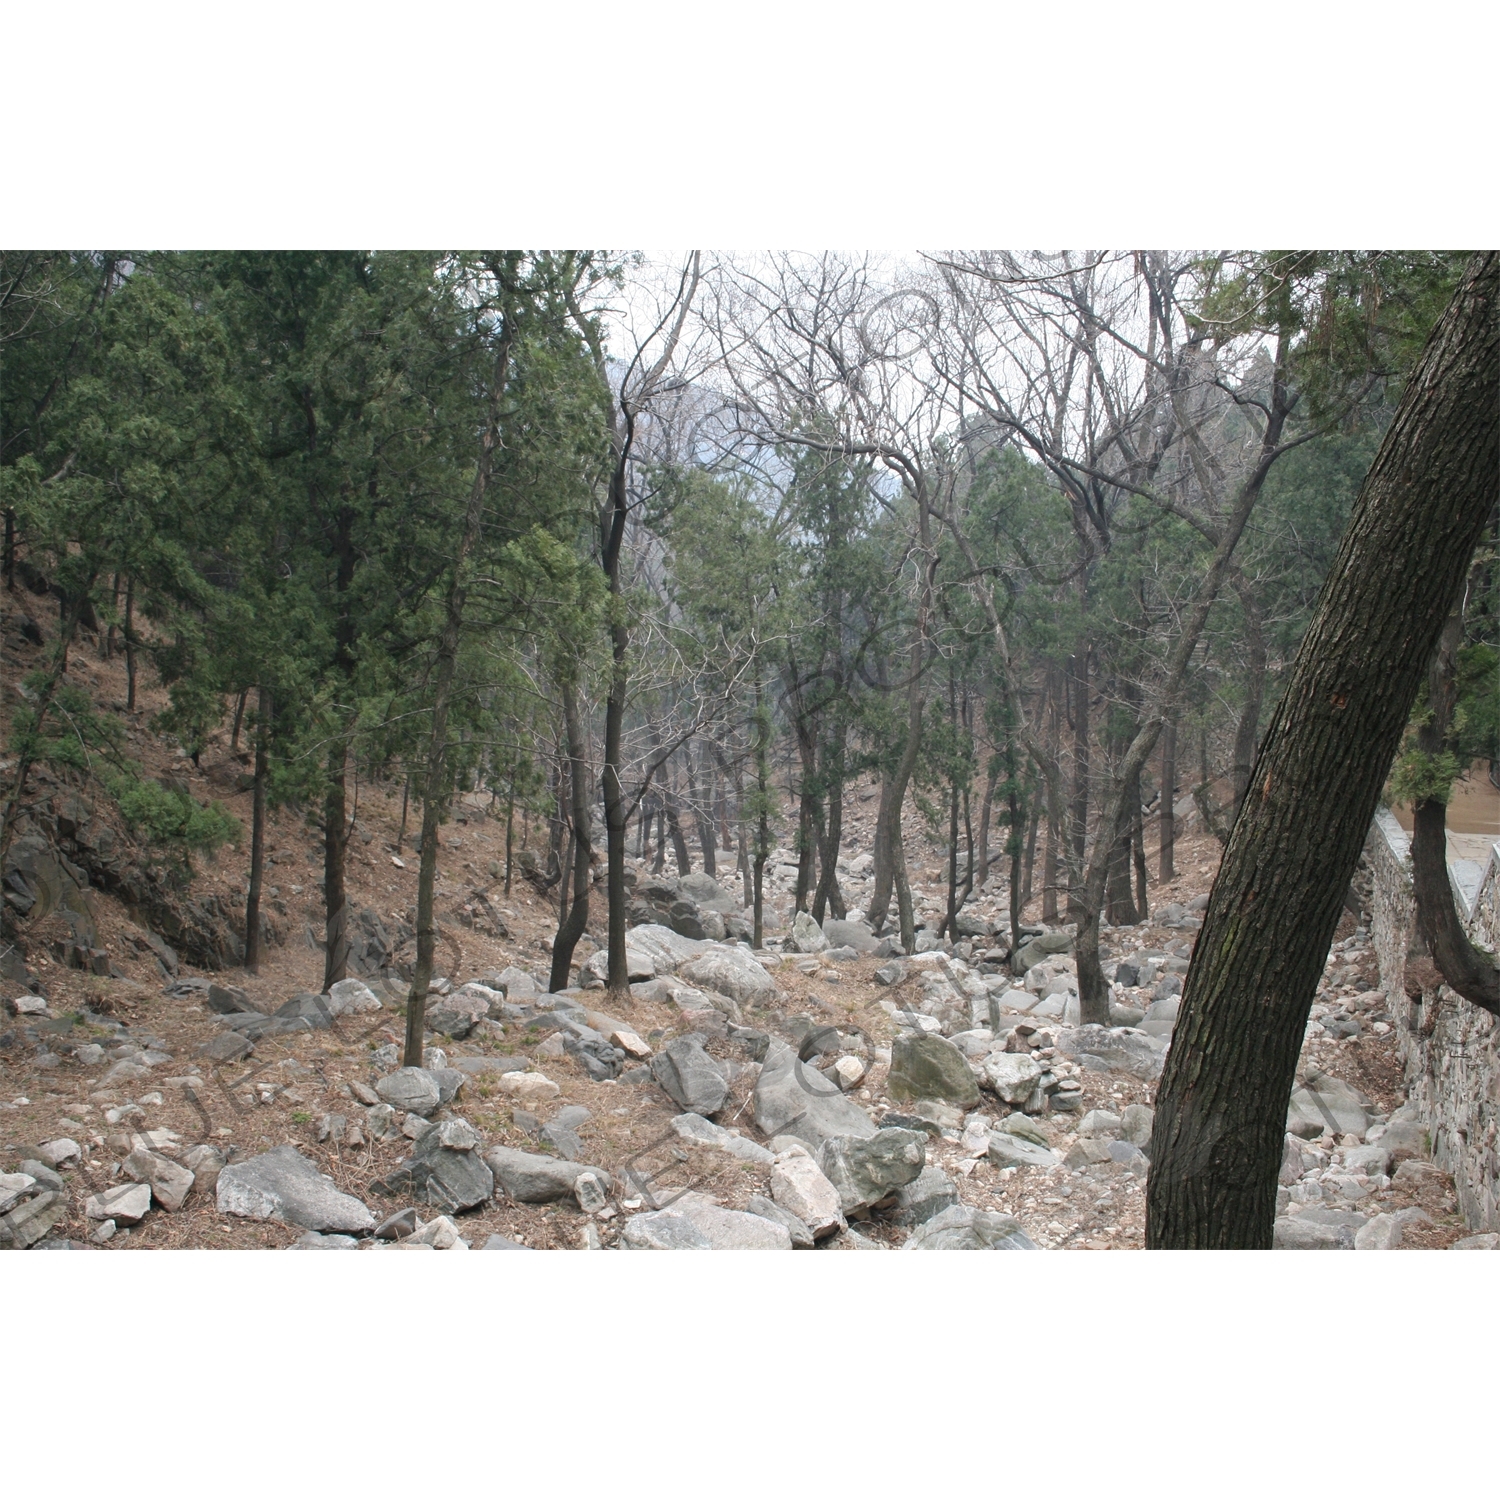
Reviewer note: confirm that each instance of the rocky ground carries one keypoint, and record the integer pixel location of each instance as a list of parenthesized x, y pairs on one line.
[(827, 1092)]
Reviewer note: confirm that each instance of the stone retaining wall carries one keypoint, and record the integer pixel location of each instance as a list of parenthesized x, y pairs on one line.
[(1449, 1049)]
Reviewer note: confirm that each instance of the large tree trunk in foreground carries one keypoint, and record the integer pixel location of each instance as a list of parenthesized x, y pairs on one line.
[(1221, 1107)]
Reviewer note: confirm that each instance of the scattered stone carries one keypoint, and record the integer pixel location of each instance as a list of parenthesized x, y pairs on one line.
[(127, 1204), (529, 1088), (1487, 1241), (529, 1177), (848, 1072), (440, 1234), (1007, 1150), (802, 1236), (588, 1192), (806, 936), (64, 1149), (282, 1184), (800, 1187), (1087, 1153), (444, 1169), (31, 1222), (693, 1078), (931, 1067), (928, 1194), (964, 1228), (413, 1089), (351, 997), (1306, 1233), (170, 1183), (1116, 1049), (1383, 1232), (867, 1170), (733, 972), (665, 1230), (1136, 1122), (1099, 1122), (727, 1228), (1330, 1104), (1013, 1076), (700, 1132), (792, 1097)]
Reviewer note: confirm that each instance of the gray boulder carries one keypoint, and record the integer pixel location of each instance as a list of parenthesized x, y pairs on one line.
[(924, 1197), (531, 1178), (729, 1229), (445, 1169), (794, 1098), (1007, 1150), (1303, 1233), (802, 1236), (170, 1183), (1329, 1103), (693, 1078), (1012, 1075), (413, 1089), (700, 1132), (1113, 1049), (664, 1230), (127, 1204), (730, 971), (850, 935), (867, 1170), (666, 949), (806, 936), (1136, 1121), (931, 1067), (964, 1228), (282, 1184), (1161, 1016), (1035, 949)]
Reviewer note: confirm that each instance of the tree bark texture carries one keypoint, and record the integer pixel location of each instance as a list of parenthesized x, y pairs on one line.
[(1217, 1143)]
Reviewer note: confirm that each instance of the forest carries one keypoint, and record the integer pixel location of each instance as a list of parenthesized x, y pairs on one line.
[(942, 597)]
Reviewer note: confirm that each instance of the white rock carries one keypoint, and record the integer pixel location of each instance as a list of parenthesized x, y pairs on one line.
[(529, 1088), (799, 1186), (629, 1043), (1012, 1075), (849, 1071), (350, 997)]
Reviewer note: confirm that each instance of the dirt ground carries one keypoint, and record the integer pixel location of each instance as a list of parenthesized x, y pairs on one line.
[(281, 1093)]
